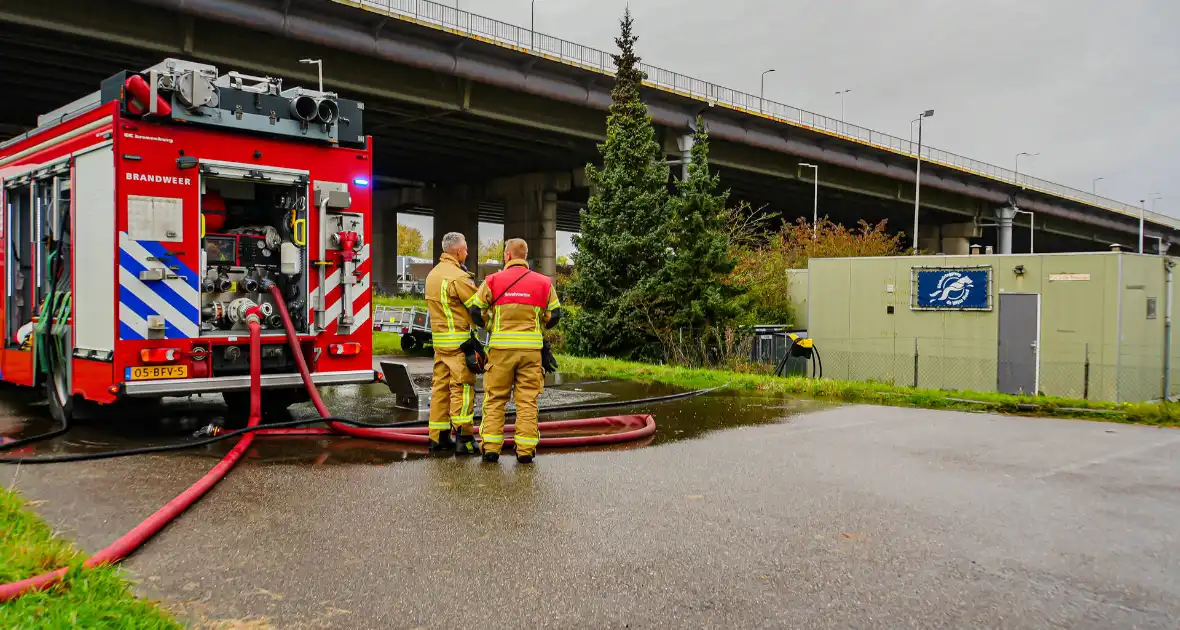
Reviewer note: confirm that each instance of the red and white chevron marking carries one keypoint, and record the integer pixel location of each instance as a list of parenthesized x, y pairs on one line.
[(362, 297)]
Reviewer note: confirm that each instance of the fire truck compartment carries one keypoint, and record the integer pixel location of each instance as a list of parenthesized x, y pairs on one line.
[(254, 230)]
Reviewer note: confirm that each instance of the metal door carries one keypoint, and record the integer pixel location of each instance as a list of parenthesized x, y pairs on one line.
[(1020, 327)]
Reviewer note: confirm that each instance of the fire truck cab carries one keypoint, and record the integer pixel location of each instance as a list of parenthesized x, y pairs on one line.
[(141, 221)]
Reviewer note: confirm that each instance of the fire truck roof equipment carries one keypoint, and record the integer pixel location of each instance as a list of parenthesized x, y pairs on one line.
[(196, 94)]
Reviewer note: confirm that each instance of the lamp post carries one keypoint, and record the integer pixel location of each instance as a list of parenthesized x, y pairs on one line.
[(1094, 185), (841, 94), (762, 90), (1142, 211), (1017, 178), (1154, 197), (319, 64), (814, 197), (532, 23), (918, 175)]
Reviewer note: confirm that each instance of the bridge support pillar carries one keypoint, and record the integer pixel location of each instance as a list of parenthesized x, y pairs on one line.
[(1004, 220), (952, 239), (382, 234), (956, 238), (383, 249), (684, 144), (530, 212), (456, 209)]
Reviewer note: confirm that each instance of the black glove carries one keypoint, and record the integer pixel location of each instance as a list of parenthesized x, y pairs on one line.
[(548, 363), (474, 355)]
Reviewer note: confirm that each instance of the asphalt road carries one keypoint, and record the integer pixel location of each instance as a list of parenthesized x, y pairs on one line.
[(845, 517)]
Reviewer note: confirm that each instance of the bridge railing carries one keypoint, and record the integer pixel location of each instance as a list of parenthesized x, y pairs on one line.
[(524, 40)]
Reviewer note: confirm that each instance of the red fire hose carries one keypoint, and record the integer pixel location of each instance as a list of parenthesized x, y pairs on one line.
[(130, 541), (638, 427), (418, 435)]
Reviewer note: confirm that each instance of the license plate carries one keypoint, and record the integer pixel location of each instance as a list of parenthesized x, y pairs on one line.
[(153, 372)]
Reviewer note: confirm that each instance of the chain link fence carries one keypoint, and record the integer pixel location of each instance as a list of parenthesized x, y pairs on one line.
[(935, 364)]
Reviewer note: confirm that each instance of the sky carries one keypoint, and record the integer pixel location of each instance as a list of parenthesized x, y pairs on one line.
[(1092, 86)]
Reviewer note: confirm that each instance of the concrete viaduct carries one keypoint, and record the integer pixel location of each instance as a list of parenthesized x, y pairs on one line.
[(477, 119)]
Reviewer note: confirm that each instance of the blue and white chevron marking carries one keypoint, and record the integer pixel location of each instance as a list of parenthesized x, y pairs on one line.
[(178, 301)]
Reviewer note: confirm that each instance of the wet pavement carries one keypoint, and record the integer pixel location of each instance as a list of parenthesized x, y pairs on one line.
[(742, 511)]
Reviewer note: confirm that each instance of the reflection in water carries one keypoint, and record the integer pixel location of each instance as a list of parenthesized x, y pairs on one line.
[(176, 419)]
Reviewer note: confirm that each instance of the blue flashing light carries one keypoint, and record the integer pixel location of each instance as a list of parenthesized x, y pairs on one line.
[(361, 181)]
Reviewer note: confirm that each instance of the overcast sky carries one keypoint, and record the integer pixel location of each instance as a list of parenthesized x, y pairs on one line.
[(1093, 86)]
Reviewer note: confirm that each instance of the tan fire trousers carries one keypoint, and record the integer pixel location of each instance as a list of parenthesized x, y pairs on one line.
[(452, 394), (513, 374)]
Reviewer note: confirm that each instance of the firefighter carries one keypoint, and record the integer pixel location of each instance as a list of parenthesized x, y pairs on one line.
[(450, 291), (519, 304)]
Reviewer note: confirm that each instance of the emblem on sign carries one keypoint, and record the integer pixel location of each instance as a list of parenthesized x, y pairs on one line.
[(952, 288)]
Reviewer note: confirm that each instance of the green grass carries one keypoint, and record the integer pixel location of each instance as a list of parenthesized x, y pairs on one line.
[(387, 343), (87, 598), (397, 300), (1157, 414)]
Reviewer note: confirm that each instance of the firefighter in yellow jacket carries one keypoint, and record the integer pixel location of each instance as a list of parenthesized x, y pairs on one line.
[(518, 304), (450, 291)]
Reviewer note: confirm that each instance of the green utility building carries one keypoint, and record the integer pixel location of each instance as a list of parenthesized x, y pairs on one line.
[(1091, 325)]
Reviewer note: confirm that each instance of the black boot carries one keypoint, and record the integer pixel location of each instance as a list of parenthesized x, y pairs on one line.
[(491, 458), (524, 459), (466, 445), (445, 443)]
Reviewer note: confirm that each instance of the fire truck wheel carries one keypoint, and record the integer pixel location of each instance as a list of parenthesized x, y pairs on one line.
[(61, 403), (64, 407), (274, 405), (409, 343)]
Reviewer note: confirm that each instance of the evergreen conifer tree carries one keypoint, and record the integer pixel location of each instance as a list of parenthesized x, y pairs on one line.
[(692, 294), (625, 224)]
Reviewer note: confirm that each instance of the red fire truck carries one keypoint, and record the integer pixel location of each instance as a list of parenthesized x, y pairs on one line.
[(140, 222)]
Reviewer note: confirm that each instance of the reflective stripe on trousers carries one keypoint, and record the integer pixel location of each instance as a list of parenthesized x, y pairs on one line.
[(452, 394), (516, 374)]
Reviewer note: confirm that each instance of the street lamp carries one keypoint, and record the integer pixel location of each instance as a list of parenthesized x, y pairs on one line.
[(762, 90), (532, 22), (1154, 197), (1094, 185), (814, 198), (319, 64), (1142, 211), (1017, 178), (918, 174), (841, 94)]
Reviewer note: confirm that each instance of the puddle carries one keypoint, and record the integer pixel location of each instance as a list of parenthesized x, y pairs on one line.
[(176, 419)]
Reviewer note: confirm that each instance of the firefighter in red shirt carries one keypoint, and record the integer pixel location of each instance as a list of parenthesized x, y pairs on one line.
[(517, 304)]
